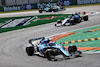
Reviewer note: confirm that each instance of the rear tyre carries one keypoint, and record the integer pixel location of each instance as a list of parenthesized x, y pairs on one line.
[(55, 24), (30, 50), (72, 49), (85, 18)]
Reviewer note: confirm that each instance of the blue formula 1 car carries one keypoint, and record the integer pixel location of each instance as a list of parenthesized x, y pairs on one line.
[(51, 9), (49, 49), (73, 19)]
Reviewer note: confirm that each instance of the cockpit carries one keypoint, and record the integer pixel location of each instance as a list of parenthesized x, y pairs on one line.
[(51, 44)]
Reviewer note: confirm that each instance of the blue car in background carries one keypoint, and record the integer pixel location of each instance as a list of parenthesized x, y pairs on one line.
[(49, 49), (51, 9)]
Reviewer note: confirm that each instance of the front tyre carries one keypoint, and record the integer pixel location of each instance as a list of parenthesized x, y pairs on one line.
[(50, 10), (40, 11), (30, 50), (72, 22), (50, 54), (55, 10)]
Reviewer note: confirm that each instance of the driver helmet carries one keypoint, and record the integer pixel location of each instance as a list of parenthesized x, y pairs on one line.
[(46, 40), (72, 14), (76, 13), (84, 13), (43, 38), (51, 44)]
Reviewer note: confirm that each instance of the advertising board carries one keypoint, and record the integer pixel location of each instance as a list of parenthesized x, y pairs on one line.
[(27, 6), (79, 2), (41, 5), (11, 8), (66, 2)]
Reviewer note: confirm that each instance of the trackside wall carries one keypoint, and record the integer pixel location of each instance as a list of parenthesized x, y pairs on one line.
[(15, 5)]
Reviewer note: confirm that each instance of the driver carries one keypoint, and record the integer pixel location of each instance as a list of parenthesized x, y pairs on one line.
[(77, 16), (71, 17), (45, 41)]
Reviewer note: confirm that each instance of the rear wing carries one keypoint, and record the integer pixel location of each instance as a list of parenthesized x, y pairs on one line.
[(30, 41)]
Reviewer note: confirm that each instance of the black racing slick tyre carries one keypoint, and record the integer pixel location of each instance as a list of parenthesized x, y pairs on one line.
[(55, 10), (85, 18), (30, 51), (50, 53), (40, 11), (55, 24), (72, 22), (50, 10), (72, 48), (75, 20)]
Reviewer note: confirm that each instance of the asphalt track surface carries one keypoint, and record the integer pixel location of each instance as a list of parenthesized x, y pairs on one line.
[(12, 44)]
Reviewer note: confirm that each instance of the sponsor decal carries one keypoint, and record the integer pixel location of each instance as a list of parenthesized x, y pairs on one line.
[(22, 7), (59, 3), (66, 2), (27, 6), (19, 7), (79, 2), (11, 8)]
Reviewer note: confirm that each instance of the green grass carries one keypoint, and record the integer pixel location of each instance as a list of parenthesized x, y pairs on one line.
[(49, 21), (32, 22), (2, 20), (81, 35)]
